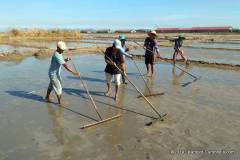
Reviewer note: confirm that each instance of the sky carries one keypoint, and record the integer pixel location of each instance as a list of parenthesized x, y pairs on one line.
[(118, 14)]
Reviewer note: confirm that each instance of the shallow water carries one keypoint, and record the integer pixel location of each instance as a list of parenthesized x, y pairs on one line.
[(103, 41), (43, 44), (202, 116), (52, 44), (11, 48), (207, 55), (222, 45)]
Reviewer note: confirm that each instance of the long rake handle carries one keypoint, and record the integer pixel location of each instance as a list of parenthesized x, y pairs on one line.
[(141, 75), (169, 62), (150, 104), (85, 87)]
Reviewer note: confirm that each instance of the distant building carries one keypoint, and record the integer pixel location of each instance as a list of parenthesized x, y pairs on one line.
[(126, 31), (88, 31), (195, 29), (143, 30), (104, 31)]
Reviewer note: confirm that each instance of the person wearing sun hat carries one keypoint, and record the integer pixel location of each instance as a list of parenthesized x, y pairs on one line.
[(55, 70), (177, 49), (151, 47), (113, 58), (124, 52)]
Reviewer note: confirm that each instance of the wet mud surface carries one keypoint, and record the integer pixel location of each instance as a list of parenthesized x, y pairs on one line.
[(202, 116)]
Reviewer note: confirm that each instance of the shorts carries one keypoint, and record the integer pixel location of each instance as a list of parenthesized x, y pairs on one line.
[(149, 59), (177, 49), (117, 78), (55, 84)]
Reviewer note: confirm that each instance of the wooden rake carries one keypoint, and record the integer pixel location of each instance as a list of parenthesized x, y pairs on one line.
[(97, 122), (160, 116), (149, 91), (195, 77)]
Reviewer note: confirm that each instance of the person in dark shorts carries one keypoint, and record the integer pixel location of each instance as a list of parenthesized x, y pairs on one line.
[(113, 53), (151, 47), (177, 49)]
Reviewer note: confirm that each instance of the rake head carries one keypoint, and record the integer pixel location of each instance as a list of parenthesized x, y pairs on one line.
[(156, 120)]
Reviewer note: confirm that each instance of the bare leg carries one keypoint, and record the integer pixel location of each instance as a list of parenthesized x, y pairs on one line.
[(175, 56), (123, 74), (152, 68), (148, 70), (59, 97), (108, 92), (116, 92), (183, 57), (47, 98)]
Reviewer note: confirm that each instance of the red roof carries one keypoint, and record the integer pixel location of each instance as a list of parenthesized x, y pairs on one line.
[(195, 28)]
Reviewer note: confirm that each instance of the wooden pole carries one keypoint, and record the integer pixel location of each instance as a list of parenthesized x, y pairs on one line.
[(99, 122), (171, 63), (150, 104)]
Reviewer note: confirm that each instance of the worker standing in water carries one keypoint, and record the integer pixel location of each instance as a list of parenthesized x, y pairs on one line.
[(124, 52), (177, 49), (114, 60), (55, 70), (151, 47)]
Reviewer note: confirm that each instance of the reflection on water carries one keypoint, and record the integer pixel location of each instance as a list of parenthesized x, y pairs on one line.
[(53, 132), (216, 45), (11, 48), (212, 55), (177, 76), (30, 45)]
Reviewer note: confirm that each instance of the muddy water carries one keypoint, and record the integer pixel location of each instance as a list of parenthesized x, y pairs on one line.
[(10, 48), (52, 45), (103, 41), (216, 45), (202, 116), (44, 44), (207, 55)]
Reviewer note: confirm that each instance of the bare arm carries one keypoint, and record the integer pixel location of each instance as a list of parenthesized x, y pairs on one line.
[(71, 70), (125, 53)]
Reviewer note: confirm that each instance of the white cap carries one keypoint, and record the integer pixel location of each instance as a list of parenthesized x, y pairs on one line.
[(61, 45), (117, 43)]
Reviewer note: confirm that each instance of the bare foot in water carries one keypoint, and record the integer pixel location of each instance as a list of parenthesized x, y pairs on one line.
[(47, 99), (116, 98), (107, 93)]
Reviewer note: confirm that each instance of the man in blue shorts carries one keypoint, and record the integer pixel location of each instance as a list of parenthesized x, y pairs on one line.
[(55, 69)]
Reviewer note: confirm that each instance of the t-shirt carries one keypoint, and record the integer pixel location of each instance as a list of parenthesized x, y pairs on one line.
[(178, 43), (56, 62), (150, 44), (124, 53), (115, 57)]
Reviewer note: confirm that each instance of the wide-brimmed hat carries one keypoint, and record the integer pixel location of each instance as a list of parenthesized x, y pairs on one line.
[(62, 45), (153, 33)]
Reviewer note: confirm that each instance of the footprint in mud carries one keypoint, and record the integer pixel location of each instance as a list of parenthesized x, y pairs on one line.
[(148, 157), (187, 132), (139, 140), (120, 147)]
